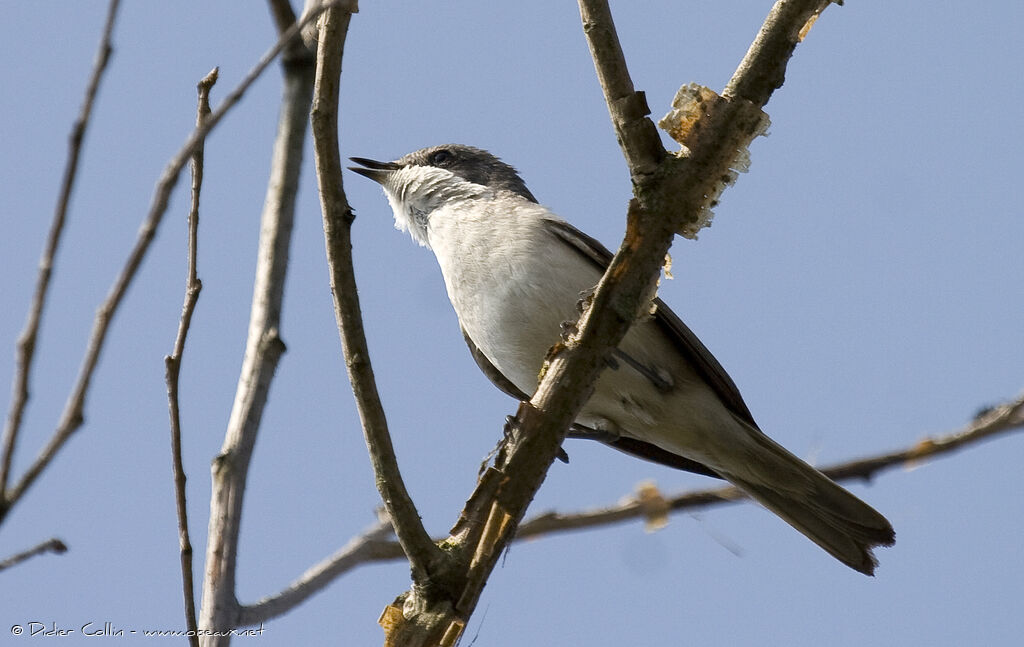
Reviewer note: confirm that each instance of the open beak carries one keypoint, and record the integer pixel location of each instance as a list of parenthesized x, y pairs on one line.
[(376, 171)]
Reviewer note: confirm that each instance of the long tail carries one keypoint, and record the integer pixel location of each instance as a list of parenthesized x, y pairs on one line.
[(815, 505)]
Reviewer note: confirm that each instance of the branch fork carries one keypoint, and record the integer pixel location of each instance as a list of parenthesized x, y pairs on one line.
[(671, 193)]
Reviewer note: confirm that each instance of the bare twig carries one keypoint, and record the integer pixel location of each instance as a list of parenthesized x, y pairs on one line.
[(52, 545), (72, 416), (763, 69), (1002, 419), (371, 546), (27, 339), (284, 18), (628, 109), (173, 365), (422, 552), (283, 14), (993, 421)]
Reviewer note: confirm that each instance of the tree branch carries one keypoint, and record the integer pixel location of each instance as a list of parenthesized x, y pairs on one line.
[(371, 546), (283, 14), (173, 366), (1005, 418), (52, 545), (284, 18), (423, 554), (637, 136), (264, 346), (671, 193), (27, 339), (763, 69), (72, 416)]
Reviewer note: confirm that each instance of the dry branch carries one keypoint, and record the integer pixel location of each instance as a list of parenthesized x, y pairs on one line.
[(264, 346), (627, 108), (374, 546), (670, 194), (52, 545), (73, 415), (371, 546), (763, 69), (172, 365), (337, 215), (27, 339), (1005, 418)]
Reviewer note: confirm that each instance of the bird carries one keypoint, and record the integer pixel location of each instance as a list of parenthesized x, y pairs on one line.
[(515, 272)]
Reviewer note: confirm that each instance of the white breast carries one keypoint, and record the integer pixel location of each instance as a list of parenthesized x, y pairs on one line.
[(511, 281)]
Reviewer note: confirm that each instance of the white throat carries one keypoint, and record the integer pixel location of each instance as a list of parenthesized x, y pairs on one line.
[(415, 192)]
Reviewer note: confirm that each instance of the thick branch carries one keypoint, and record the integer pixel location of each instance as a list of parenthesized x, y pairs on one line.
[(422, 552), (173, 366), (670, 193), (262, 352), (27, 339)]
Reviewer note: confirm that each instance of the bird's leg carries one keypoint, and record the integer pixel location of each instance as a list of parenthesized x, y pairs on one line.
[(604, 434), (508, 432)]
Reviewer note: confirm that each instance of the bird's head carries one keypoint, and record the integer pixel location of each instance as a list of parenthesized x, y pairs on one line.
[(419, 183)]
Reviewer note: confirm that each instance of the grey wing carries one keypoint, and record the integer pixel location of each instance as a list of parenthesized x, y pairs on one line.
[(688, 344), (700, 357), (628, 445), (685, 341), (491, 371), (499, 380)]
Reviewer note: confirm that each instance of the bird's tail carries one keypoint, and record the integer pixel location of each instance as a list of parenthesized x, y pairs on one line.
[(826, 513)]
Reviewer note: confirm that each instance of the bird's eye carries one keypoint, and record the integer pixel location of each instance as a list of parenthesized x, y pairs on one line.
[(437, 158)]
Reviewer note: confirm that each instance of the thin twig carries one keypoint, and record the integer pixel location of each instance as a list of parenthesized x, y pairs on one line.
[(52, 545), (371, 546), (284, 17), (763, 69), (996, 420), (27, 339), (423, 554), (72, 416), (283, 14), (1003, 419), (173, 365), (638, 138)]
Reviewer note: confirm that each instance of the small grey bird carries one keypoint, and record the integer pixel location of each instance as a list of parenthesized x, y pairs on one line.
[(515, 272)]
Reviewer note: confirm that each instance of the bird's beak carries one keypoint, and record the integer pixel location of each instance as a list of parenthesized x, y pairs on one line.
[(376, 171)]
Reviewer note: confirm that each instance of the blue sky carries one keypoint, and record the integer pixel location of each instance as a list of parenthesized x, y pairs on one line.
[(862, 285)]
